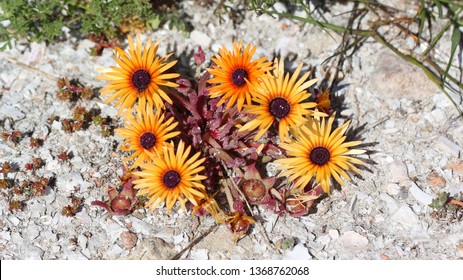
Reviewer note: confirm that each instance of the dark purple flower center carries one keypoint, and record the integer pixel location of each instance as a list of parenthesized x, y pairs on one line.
[(238, 77), (171, 179), (141, 79), (279, 107), (147, 140), (320, 156)]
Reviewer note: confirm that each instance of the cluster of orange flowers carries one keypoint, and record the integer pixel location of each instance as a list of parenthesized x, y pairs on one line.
[(141, 84)]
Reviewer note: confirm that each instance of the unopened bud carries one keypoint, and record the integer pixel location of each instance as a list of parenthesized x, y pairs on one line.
[(199, 56)]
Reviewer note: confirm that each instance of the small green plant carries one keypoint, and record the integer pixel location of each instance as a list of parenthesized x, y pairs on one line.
[(72, 209), (47, 20), (447, 206), (73, 91)]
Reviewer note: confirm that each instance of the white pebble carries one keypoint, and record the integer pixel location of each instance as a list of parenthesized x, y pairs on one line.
[(405, 216), (5, 236), (379, 242), (286, 45), (420, 195), (235, 257), (113, 229), (8, 111), (399, 172), (200, 254), (439, 116), (53, 165), (56, 125), (32, 231), (299, 252), (353, 241), (444, 144), (333, 233), (139, 226), (393, 189), (391, 203), (82, 241), (200, 38), (15, 221), (324, 239), (279, 7), (16, 238), (32, 253), (69, 181)]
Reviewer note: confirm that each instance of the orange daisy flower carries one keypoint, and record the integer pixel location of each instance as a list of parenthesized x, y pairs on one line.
[(171, 178), (235, 73), (146, 133), (281, 99), (316, 151), (140, 76)]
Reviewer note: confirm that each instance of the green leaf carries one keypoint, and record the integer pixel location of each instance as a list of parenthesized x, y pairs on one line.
[(422, 16), (439, 7), (456, 37)]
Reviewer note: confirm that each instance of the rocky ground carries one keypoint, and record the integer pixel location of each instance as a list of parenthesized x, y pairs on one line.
[(412, 131)]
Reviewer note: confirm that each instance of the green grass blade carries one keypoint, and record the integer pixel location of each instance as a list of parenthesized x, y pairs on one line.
[(422, 17), (456, 37), (438, 3)]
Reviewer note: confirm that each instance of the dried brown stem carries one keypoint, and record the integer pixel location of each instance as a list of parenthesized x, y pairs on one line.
[(194, 242), (456, 202), (32, 69)]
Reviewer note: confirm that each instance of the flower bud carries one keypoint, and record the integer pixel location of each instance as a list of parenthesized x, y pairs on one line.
[(199, 57)]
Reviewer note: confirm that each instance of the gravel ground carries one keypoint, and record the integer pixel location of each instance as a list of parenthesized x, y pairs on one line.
[(411, 129)]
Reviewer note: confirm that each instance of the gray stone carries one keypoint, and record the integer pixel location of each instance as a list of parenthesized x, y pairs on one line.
[(391, 203), (75, 255), (84, 217), (5, 236), (152, 249), (16, 238), (393, 189), (395, 78), (69, 181), (446, 145), (32, 231), (324, 239), (37, 209), (142, 227), (405, 216), (31, 252), (113, 229), (235, 257), (53, 165), (9, 111), (15, 221)]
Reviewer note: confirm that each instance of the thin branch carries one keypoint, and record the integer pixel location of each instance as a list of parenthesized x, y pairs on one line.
[(194, 242), (32, 69)]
